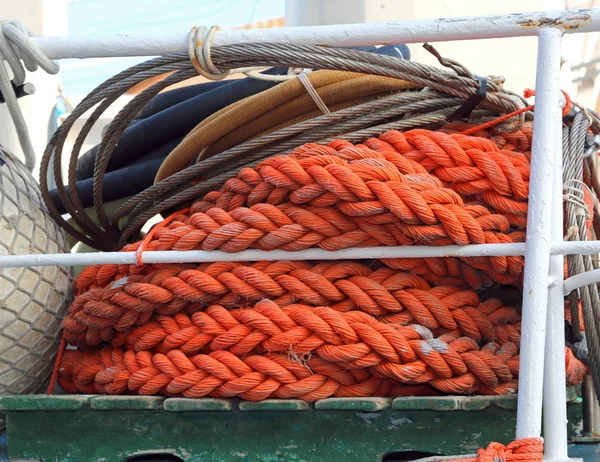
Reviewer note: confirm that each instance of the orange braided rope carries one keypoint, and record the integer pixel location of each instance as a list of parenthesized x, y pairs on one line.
[(471, 166), (59, 358), (202, 331), (219, 374), (378, 193), (312, 330), (328, 339), (525, 450), (393, 295)]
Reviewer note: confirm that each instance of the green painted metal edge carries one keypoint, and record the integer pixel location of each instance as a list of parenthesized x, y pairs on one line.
[(274, 405), (126, 403), (475, 403), (505, 402), (101, 402), (427, 403), (44, 402), (320, 436), (193, 405), (353, 404)]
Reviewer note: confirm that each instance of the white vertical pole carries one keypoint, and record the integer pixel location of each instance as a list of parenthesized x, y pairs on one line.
[(555, 395), (537, 255)]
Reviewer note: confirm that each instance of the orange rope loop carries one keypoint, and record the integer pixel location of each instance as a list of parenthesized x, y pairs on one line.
[(148, 238)]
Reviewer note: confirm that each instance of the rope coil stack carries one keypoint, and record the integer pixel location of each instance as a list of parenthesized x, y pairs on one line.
[(347, 178), (447, 90), (312, 330), (393, 296)]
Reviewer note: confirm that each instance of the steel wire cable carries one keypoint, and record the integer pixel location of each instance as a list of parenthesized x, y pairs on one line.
[(106, 236)]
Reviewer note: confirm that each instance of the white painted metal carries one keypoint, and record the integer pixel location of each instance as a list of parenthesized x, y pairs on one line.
[(555, 394), (576, 247), (201, 256), (580, 280), (354, 253), (431, 30), (537, 253)]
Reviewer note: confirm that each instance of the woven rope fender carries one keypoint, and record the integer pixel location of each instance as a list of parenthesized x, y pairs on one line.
[(33, 300)]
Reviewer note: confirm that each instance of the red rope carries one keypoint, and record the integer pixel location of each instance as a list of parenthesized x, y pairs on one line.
[(528, 93), (57, 364), (148, 238)]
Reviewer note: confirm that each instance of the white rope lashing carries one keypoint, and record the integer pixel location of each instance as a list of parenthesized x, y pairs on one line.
[(14, 46), (199, 46)]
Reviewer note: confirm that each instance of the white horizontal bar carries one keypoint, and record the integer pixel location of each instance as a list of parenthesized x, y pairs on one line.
[(341, 35), (201, 256), (580, 280), (576, 247), (354, 253), (584, 248)]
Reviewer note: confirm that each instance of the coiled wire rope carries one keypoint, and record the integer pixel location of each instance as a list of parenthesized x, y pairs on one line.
[(449, 90)]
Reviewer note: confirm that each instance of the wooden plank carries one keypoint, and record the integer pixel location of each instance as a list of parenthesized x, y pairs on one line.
[(44, 402), (427, 403)]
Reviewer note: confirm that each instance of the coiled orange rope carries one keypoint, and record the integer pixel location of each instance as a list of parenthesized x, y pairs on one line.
[(218, 374), (352, 340), (313, 330), (358, 196), (471, 166), (525, 450), (392, 295), (207, 330)]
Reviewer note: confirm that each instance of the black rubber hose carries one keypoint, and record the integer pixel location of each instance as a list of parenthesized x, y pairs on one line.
[(397, 51), (163, 113), (170, 98), (161, 151), (118, 184), (174, 113), (173, 122)]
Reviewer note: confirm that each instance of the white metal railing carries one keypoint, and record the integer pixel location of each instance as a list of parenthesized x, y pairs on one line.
[(340, 35), (542, 323)]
